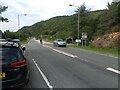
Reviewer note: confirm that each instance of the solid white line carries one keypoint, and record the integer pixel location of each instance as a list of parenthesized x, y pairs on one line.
[(59, 51), (113, 70), (67, 54), (47, 46), (44, 77)]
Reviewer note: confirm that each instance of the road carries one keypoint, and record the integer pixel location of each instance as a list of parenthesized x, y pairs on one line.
[(59, 67)]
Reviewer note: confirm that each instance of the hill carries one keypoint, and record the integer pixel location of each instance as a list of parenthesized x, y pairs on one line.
[(62, 26), (95, 23)]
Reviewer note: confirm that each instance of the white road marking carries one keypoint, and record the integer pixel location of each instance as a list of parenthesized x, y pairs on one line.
[(59, 51), (67, 54), (47, 46), (44, 77), (37, 41), (73, 56), (93, 52), (113, 70)]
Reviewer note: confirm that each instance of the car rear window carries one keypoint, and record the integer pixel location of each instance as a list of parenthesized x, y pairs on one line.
[(10, 54)]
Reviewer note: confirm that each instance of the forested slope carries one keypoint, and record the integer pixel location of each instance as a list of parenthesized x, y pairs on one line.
[(95, 23)]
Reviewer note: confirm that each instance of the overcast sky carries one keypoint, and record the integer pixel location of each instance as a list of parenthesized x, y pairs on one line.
[(39, 10)]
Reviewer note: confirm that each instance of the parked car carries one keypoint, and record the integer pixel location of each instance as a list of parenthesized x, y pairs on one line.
[(2, 40), (59, 42), (15, 71)]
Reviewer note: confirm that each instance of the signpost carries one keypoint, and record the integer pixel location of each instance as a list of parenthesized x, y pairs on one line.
[(84, 38)]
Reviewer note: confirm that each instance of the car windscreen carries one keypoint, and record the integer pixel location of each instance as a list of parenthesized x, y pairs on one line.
[(10, 54), (60, 40)]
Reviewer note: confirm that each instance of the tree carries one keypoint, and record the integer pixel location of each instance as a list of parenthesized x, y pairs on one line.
[(113, 13), (3, 9), (83, 15)]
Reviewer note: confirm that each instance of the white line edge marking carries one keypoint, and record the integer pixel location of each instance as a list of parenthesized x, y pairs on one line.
[(44, 77), (113, 70)]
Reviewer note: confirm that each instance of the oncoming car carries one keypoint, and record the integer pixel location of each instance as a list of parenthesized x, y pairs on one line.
[(59, 42), (15, 72)]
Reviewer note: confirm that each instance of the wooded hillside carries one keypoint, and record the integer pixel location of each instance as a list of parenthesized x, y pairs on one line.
[(94, 23)]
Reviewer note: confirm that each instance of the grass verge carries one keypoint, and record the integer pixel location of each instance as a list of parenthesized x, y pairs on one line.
[(25, 41), (110, 51), (47, 40)]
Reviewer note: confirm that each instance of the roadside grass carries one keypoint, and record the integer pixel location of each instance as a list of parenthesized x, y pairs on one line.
[(25, 41), (110, 51), (48, 40)]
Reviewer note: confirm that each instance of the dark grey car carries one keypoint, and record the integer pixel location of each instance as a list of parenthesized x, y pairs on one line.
[(15, 72)]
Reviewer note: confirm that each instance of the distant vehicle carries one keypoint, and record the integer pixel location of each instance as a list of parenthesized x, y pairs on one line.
[(12, 40), (15, 40), (59, 42), (2, 40), (15, 72), (78, 41)]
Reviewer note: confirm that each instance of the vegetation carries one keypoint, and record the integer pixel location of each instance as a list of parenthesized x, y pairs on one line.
[(3, 9), (110, 51), (9, 34), (94, 23), (25, 41)]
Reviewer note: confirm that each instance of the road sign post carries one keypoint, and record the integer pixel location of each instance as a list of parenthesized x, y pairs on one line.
[(83, 39)]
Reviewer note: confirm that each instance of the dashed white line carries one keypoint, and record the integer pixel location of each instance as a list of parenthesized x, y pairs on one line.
[(113, 70), (44, 77)]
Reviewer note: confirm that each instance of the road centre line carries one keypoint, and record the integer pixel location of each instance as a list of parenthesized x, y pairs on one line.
[(73, 56), (113, 70), (47, 46), (43, 75), (67, 54), (93, 52), (70, 55), (110, 69)]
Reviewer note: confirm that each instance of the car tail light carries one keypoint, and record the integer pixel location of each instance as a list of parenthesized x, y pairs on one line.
[(19, 64)]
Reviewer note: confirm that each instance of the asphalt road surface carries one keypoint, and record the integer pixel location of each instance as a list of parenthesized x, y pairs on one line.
[(58, 67)]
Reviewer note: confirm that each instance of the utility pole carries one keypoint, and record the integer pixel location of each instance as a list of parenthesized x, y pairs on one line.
[(19, 22), (78, 23)]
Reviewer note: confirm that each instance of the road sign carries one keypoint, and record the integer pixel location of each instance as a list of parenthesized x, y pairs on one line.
[(84, 36)]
